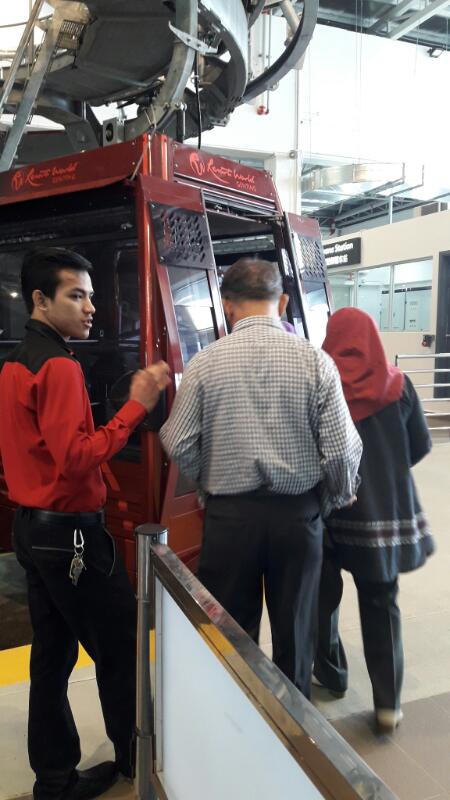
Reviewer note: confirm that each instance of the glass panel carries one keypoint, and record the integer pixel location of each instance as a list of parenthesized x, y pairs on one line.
[(114, 346), (317, 317), (189, 287), (317, 297), (373, 294), (299, 327), (398, 311), (412, 296), (193, 309), (129, 324), (13, 314), (343, 287)]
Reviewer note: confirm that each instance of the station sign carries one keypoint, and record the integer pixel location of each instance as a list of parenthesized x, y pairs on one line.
[(345, 253)]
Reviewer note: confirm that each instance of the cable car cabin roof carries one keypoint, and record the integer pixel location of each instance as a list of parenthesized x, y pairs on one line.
[(225, 183), (73, 173)]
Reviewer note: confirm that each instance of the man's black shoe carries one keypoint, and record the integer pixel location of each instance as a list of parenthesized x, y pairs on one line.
[(92, 782)]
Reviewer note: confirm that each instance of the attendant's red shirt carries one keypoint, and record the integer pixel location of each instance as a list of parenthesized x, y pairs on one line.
[(50, 450)]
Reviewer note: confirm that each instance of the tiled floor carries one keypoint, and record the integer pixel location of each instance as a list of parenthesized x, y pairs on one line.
[(415, 762)]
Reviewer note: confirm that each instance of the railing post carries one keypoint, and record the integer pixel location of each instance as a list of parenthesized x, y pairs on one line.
[(146, 536)]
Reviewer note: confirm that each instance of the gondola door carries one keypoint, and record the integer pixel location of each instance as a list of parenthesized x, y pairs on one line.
[(305, 268), (188, 315)]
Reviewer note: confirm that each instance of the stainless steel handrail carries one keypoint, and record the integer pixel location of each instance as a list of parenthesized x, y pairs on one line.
[(146, 535), (328, 761), (421, 355), (414, 371), (430, 413)]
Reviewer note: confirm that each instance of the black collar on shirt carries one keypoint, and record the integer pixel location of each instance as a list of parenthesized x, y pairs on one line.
[(42, 329)]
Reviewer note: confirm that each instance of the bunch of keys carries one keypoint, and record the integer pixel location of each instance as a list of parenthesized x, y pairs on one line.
[(77, 564)]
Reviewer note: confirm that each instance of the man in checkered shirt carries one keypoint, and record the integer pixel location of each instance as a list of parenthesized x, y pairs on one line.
[(261, 425)]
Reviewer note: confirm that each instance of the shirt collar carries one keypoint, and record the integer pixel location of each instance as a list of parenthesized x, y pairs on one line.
[(42, 329), (249, 322)]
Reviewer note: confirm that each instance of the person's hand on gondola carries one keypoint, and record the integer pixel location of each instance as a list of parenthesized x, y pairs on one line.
[(147, 384)]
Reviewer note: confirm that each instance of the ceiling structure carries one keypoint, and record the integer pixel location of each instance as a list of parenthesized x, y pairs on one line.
[(103, 56), (426, 24), (326, 191), (416, 21), (344, 195), (182, 63)]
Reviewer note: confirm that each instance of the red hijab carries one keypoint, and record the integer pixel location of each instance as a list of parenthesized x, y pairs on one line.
[(369, 382)]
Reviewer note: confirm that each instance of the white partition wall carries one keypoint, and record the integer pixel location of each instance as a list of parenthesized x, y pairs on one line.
[(215, 744), (216, 719)]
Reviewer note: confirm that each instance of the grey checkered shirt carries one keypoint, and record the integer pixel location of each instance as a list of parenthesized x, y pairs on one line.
[(264, 408)]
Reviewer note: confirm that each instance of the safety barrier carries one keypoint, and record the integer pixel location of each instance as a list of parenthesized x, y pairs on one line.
[(441, 408), (216, 718)]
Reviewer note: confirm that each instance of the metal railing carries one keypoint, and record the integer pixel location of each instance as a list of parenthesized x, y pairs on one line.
[(188, 645), (433, 413)]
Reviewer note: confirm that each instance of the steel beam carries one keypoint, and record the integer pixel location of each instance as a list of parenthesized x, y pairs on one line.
[(291, 56), (424, 37), (392, 14), (290, 14), (31, 92), (417, 19), (171, 95), (9, 83), (415, 5)]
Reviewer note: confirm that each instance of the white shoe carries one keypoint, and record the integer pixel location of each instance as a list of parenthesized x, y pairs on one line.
[(388, 719)]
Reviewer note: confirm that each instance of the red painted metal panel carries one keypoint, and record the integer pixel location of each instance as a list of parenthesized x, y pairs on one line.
[(74, 173), (304, 226), (160, 157), (128, 549), (204, 169), (151, 448), (171, 194)]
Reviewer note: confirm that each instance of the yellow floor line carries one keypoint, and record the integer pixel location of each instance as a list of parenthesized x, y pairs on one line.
[(15, 664)]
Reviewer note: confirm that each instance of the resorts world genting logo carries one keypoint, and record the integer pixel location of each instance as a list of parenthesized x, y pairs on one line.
[(197, 165), (35, 178), (208, 167)]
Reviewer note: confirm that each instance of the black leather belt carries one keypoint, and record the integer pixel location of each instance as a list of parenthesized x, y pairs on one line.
[(70, 518)]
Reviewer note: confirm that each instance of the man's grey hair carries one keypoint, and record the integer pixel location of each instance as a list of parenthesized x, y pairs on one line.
[(252, 279)]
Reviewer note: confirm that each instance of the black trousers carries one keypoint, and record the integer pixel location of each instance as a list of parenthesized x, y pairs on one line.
[(100, 612), (274, 542), (381, 632)]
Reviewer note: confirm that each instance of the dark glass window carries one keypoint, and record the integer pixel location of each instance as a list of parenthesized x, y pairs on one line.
[(13, 314), (113, 348)]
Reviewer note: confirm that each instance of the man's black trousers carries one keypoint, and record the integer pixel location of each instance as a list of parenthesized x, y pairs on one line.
[(254, 542), (100, 612)]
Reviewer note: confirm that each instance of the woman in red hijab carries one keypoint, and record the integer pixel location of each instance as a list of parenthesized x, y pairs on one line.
[(385, 532)]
